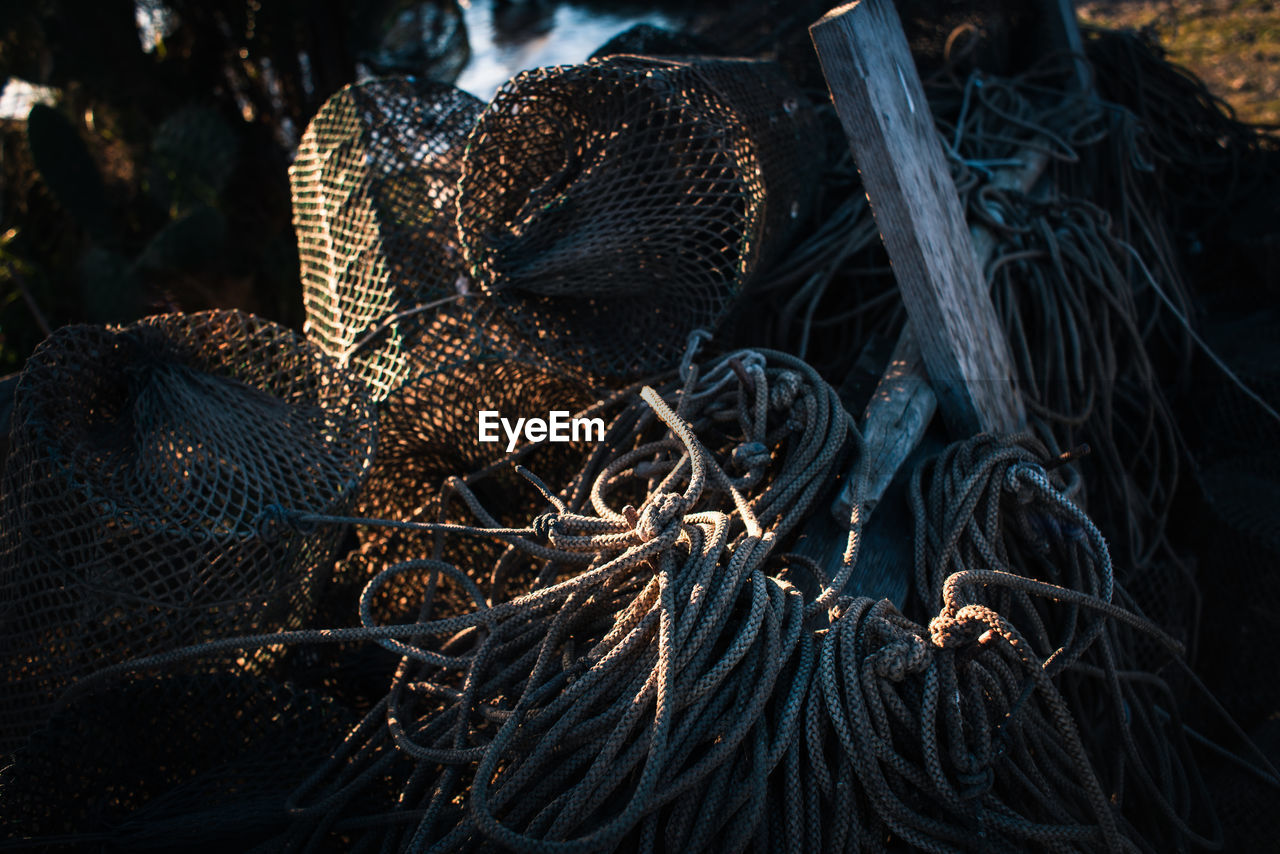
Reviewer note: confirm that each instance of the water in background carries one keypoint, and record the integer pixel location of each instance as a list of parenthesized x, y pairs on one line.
[(504, 41), (530, 35)]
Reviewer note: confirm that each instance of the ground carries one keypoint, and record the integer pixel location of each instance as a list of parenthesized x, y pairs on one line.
[(1234, 45)]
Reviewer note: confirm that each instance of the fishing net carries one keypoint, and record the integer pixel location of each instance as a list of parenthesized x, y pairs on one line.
[(387, 293), (142, 460), (357, 672), (429, 429), (612, 208), (646, 665), (374, 190), (650, 572), (653, 643), (609, 209)]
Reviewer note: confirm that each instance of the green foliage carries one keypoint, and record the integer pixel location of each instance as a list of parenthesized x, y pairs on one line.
[(68, 170), (193, 154), (189, 244), (1233, 45), (160, 182)]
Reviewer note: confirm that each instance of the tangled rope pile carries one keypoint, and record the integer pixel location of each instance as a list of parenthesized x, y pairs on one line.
[(656, 662), (600, 700), (644, 663), (1091, 297)]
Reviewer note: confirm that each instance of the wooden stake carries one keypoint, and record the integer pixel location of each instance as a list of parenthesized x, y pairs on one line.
[(881, 104)]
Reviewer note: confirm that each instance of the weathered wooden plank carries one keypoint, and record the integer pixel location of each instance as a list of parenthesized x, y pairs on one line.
[(881, 104), (899, 411)]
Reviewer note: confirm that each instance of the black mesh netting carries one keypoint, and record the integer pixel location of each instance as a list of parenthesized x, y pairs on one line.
[(428, 429), (488, 562), (613, 207), (374, 186), (609, 208), (142, 461), (429, 434)]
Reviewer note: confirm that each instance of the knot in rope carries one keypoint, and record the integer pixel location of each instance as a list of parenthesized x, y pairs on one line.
[(750, 456), (974, 783), (1027, 481), (274, 522), (895, 660), (543, 525), (949, 631), (783, 390), (840, 608), (658, 514)]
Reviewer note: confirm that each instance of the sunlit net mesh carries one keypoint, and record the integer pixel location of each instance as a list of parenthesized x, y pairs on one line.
[(386, 289), (374, 186), (615, 206), (142, 461), (431, 427)]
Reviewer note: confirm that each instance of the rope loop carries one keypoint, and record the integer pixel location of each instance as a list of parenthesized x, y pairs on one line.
[(948, 631), (784, 390), (543, 525), (897, 660)]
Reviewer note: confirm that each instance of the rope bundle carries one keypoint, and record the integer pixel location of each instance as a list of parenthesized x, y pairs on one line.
[(644, 668), (598, 704), (1090, 295)]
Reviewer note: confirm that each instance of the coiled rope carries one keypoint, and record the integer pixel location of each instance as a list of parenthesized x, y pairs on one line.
[(665, 681)]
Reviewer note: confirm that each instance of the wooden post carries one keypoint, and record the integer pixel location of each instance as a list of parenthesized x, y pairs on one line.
[(903, 403), (882, 106)]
